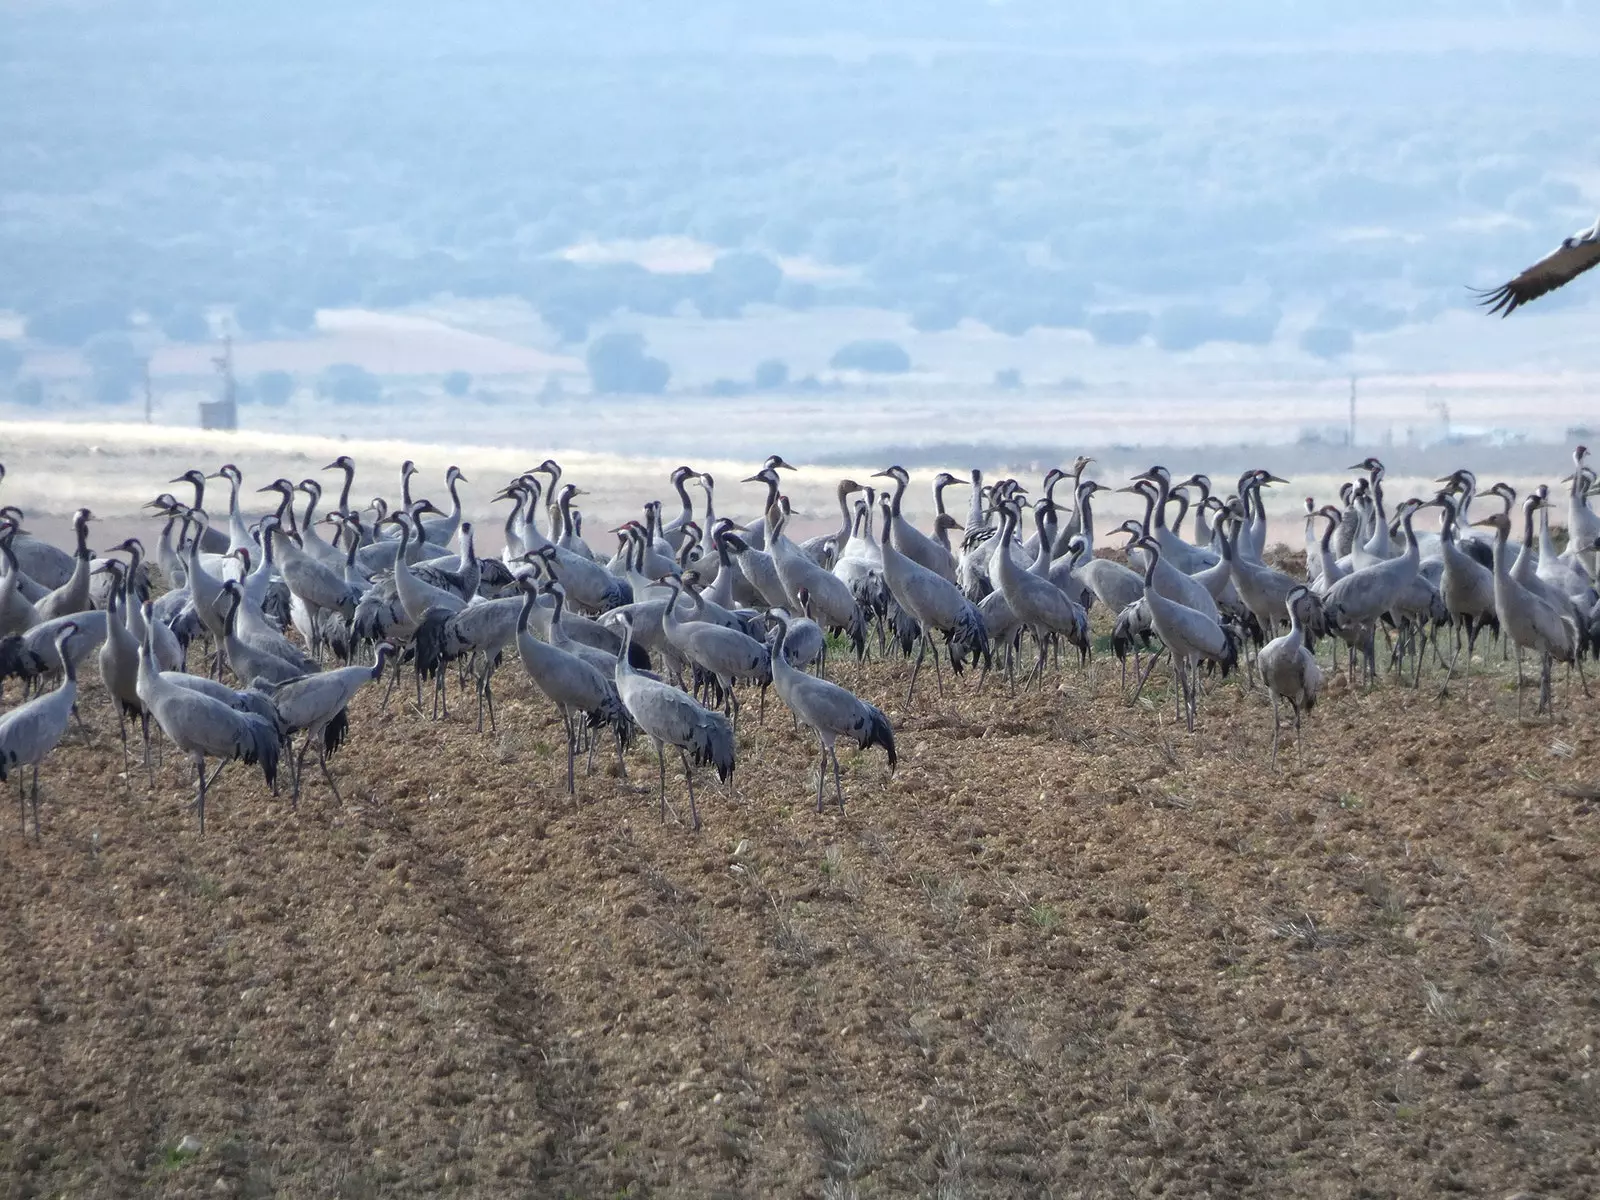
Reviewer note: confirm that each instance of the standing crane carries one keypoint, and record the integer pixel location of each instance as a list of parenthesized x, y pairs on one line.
[(572, 685), (1290, 670), (31, 730), (829, 711), (317, 706), (204, 727), (673, 718), (935, 604)]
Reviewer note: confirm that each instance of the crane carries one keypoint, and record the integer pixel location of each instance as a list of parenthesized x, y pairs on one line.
[(1290, 670), (673, 718), (31, 730), (1574, 256), (829, 711)]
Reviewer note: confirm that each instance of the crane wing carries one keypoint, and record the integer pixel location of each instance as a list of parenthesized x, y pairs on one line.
[(1563, 264)]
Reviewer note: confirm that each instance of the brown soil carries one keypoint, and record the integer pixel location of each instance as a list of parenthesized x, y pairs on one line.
[(1068, 949)]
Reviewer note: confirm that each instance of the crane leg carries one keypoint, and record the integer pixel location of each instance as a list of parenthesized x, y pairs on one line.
[(688, 779), (1275, 726), (661, 763), (22, 804), (822, 768), (144, 726), (300, 768), (1144, 678), (938, 671), (922, 649), (200, 800), (1519, 683), (322, 761), (838, 791), (122, 732), (572, 736), (36, 834)]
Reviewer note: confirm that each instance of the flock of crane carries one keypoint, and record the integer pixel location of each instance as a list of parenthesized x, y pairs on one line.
[(233, 659)]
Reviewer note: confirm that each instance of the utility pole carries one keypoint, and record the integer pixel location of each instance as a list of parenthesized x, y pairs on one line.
[(1352, 434)]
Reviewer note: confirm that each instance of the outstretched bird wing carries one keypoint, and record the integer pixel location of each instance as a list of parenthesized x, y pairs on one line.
[(1563, 264)]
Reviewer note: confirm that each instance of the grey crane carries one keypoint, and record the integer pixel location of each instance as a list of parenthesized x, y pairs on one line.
[(484, 630), (204, 727), (805, 644), (119, 665), (31, 730), (756, 532), (831, 600), (726, 656), (1583, 523), (17, 613), (574, 686), (1525, 617), (249, 662), (907, 538), (72, 597), (443, 529), (934, 603), (674, 718), (34, 655), (1037, 603), (1574, 256), (1190, 637), (1466, 587), (1176, 552), (46, 564), (1353, 605), (1290, 670), (674, 530), (829, 711), (317, 706)]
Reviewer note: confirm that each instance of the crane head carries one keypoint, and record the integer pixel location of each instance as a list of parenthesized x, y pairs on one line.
[(342, 463)]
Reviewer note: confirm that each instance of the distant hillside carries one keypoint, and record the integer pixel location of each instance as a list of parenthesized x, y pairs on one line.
[(1352, 165)]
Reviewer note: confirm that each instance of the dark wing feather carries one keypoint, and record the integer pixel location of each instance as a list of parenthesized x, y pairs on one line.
[(1569, 260)]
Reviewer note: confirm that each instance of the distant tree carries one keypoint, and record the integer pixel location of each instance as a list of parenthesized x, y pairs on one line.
[(1327, 341), (186, 323), (571, 327), (10, 360), (1119, 326), (28, 391), (1008, 380), (773, 373), (75, 323), (296, 316), (1188, 326), (618, 364), (346, 383), (457, 383), (877, 355), (114, 366), (256, 316), (937, 315), (797, 294), (746, 278), (273, 388), (728, 387)]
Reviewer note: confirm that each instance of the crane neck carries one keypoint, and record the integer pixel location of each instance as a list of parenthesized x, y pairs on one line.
[(344, 492)]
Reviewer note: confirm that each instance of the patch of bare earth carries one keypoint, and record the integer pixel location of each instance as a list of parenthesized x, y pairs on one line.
[(1068, 949)]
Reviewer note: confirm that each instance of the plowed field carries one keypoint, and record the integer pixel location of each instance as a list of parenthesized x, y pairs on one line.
[(1066, 949)]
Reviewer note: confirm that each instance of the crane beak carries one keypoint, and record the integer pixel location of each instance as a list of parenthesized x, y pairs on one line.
[(783, 466), (1274, 479)]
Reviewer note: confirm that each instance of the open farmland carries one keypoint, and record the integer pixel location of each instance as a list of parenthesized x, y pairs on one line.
[(1067, 949)]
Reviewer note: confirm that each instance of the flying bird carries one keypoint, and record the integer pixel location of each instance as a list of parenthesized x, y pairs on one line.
[(1565, 263)]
